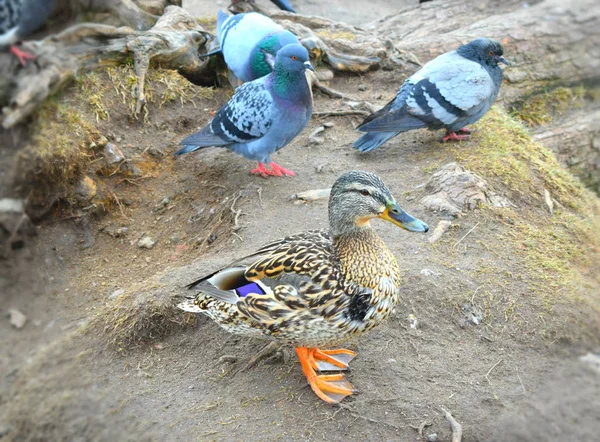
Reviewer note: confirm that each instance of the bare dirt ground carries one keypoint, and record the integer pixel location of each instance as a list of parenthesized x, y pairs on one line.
[(103, 356)]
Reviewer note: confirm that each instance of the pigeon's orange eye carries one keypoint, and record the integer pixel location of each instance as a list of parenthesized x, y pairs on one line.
[(294, 57), (490, 53)]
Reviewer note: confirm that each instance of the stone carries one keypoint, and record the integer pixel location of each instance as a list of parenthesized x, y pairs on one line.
[(12, 205), (102, 141), (313, 138), (17, 319), (85, 190), (146, 242), (113, 154), (116, 294)]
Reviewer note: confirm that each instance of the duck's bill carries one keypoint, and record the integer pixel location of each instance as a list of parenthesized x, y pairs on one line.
[(309, 66), (399, 217)]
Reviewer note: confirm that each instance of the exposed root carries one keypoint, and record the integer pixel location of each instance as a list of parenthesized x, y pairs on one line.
[(456, 427)]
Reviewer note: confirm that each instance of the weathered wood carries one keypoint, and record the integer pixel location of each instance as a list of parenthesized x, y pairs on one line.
[(173, 43), (549, 43), (575, 139)]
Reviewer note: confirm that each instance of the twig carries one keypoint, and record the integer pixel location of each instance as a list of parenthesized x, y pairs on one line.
[(118, 201), (521, 381), (266, 351), (259, 191), (490, 370), (341, 113), (368, 419), (456, 427), (466, 234), (337, 94), (237, 213), (422, 427)]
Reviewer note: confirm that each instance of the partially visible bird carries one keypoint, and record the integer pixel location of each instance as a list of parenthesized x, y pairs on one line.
[(249, 43), (451, 91), (20, 18), (281, 4), (263, 115), (316, 288)]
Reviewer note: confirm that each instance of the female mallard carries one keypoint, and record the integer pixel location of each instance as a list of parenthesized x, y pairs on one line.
[(316, 288)]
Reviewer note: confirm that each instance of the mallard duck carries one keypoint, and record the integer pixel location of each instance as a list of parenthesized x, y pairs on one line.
[(316, 288)]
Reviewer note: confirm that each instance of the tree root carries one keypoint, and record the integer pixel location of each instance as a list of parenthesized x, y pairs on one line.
[(456, 427), (172, 43)]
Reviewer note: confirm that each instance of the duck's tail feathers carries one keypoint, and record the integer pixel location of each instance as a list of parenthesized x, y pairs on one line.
[(372, 140), (188, 305), (201, 139)]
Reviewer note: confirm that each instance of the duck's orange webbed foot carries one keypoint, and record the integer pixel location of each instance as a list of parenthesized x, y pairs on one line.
[(330, 388)]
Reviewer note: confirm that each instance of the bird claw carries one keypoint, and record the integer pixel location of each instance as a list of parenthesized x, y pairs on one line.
[(280, 171), (454, 136), (22, 55), (275, 170)]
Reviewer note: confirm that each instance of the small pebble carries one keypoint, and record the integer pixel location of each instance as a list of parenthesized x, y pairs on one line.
[(146, 242), (228, 359), (362, 87), (17, 319), (432, 437), (116, 294)]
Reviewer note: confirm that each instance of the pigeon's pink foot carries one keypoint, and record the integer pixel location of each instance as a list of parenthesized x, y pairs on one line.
[(261, 170), (465, 130), (22, 55), (280, 171), (455, 137)]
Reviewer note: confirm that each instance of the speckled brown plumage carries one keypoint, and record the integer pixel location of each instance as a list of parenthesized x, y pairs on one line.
[(322, 286)]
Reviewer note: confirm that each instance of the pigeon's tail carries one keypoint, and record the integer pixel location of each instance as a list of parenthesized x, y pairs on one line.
[(284, 4), (201, 139), (221, 17), (373, 140)]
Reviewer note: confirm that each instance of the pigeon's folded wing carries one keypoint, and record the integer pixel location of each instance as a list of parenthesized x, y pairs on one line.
[(461, 83), (247, 116)]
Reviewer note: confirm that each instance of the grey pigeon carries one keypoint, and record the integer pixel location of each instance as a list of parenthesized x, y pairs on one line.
[(451, 91), (263, 115), (18, 19), (249, 43)]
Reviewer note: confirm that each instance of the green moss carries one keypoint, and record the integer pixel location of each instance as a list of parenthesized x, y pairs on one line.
[(506, 152), (541, 108), (558, 252), (59, 153)]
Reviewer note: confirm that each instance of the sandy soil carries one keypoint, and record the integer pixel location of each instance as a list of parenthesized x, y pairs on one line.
[(61, 377)]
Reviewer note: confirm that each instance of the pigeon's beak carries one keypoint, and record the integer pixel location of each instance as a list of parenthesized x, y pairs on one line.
[(394, 214), (309, 66), (501, 59)]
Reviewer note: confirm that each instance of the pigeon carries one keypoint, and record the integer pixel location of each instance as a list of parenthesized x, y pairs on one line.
[(451, 91), (263, 115), (249, 43), (18, 19), (281, 4)]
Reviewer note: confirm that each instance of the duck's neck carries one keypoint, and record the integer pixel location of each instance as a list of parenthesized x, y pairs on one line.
[(364, 258)]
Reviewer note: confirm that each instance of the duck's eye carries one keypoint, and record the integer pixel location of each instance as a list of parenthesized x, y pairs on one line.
[(365, 192), (491, 53), (296, 58)]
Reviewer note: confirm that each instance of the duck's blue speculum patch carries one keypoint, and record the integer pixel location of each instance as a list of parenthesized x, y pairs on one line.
[(247, 289)]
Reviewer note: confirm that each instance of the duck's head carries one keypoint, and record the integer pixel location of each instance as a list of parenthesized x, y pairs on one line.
[(358, 196)]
